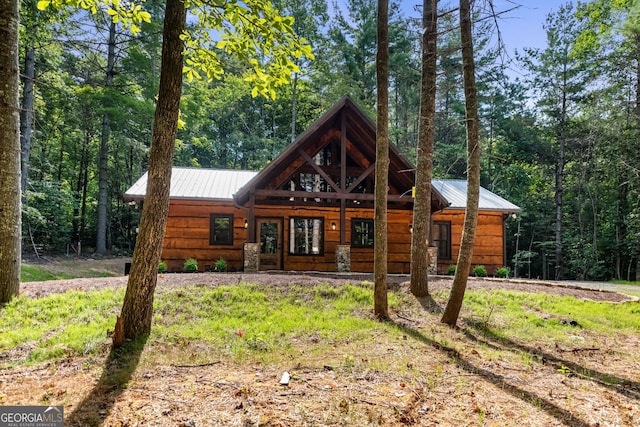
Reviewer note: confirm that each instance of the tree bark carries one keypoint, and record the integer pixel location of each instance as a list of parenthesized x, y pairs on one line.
[(424, 167), (10, 194), (103, 157), (636, 41), (452, 310), (560, 162), (137, 308), (26, 112), (382, 164)]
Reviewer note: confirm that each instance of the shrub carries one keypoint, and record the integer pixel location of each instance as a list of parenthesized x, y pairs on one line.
[(190, 265), (221, 265), (452, 270), (502, 272), (162, 267), (480, 271)]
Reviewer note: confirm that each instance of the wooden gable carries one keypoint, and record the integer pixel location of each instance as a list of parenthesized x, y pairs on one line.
[(333, 163)]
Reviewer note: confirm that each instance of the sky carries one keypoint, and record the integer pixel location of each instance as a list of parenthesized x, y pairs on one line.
[(521, 27)]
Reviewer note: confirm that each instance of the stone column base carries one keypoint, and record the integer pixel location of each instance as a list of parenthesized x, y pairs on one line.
[(343, 258), (251, 257), (432, 259)]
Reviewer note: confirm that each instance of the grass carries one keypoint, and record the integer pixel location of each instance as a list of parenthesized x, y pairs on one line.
[(626, 282), (41, 273), (34, 273), (248, 322), (546, 317)]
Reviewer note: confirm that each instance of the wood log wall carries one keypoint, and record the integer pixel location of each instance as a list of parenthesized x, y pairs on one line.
[(488, 249), (188, 227)]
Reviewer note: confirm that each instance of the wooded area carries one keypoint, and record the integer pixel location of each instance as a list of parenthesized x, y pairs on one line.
[(561, 142)]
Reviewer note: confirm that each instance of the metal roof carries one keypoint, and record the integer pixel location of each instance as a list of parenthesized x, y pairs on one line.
[(221, 184), (194, 183), (455, 191)]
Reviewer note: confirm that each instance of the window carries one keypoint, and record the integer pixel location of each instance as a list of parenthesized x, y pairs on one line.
[(442, 238), (362, 233), (306, 236), (221, 230)]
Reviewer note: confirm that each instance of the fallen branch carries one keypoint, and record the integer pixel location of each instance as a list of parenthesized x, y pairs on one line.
[(577, 350), (199, 365)]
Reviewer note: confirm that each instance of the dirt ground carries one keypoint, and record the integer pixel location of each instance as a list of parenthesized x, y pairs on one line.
[(432, 376)]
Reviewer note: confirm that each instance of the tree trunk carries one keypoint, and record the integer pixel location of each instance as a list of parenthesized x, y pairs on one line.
[(103, 158), (26, 113), (381, 310), (137, 308), (452, 310), (294, 111), (10, 194), (422, 202), (559, 250), (637, 151)]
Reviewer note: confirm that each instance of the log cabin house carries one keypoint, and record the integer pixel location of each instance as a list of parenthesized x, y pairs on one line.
[(311, 208)]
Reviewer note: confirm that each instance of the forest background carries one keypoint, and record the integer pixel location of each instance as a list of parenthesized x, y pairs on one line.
[(560, 140)]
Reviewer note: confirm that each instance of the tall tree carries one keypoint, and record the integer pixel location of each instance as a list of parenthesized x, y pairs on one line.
[(10, 193), (452, 310), (422, 203), (103, 156), (27, 108), (137, 308), (613, 28), (309, 18), (382, 164), (247, 33), (560, 79)]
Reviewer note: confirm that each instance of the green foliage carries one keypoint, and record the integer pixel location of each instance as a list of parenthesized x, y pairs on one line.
[(221, 265), (48, 216), (190, 265), (451, 270), (130, 15), (479, 271), (250, 31), (502, 272), (162, 267)]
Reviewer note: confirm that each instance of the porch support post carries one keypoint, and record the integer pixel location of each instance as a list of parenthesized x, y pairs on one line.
[(343, 184), (251, 217)]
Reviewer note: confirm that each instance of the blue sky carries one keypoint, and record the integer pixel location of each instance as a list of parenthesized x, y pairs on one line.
[(521, 27)]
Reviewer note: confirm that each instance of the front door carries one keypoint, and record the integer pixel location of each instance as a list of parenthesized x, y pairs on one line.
[(270, 231)]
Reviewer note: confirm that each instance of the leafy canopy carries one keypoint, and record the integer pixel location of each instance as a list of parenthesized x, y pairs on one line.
[(252, 31)]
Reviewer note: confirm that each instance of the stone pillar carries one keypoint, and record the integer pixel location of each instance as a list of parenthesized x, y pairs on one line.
[(251, 257), (432, 259), (343, 258)]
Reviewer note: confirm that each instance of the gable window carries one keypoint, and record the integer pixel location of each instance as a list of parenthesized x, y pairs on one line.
[(221, 230), (442, 238), (306, 236), (362, 233)]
